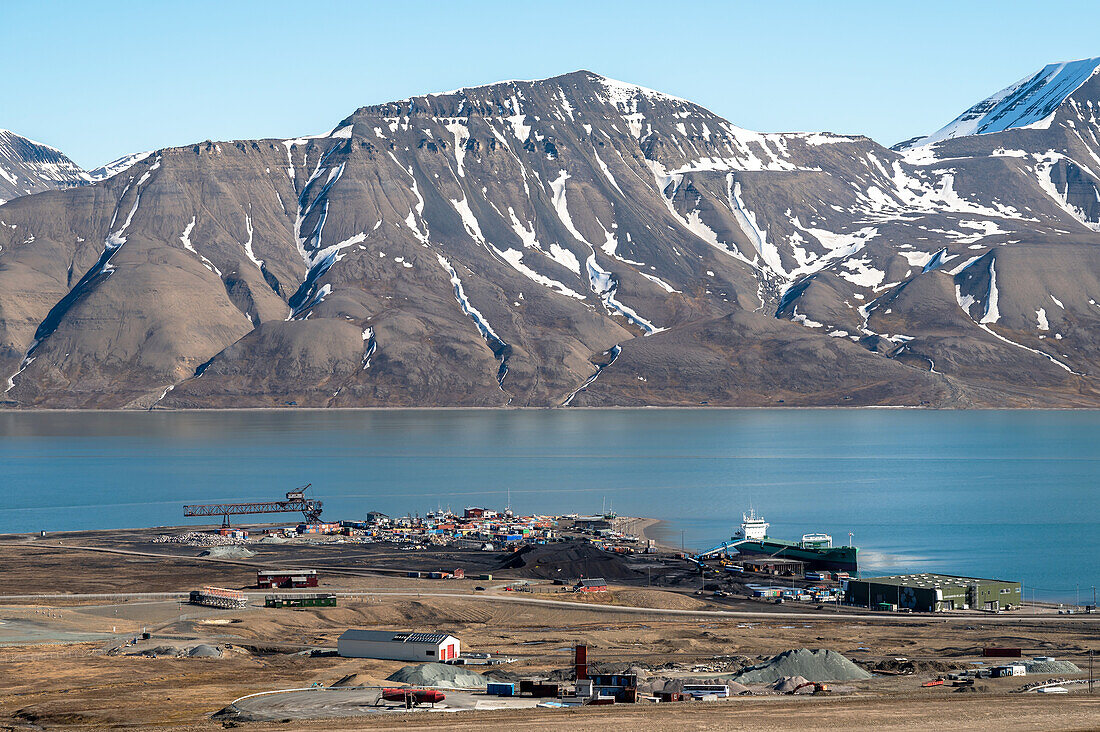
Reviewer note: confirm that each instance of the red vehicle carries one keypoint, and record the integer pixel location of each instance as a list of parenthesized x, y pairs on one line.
[(413, 696)]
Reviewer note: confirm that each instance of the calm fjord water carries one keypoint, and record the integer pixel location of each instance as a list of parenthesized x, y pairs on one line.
[(995, 493)]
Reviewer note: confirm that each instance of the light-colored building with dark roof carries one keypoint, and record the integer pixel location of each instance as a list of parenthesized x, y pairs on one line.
[(393, 645)]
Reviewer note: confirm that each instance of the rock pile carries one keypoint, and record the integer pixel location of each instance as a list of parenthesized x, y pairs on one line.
[(788, 684), (438, 674), (204, 650), (812, 665), (1052, 666), (228, 552)]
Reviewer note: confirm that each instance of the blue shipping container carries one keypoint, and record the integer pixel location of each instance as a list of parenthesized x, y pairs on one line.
[(495, 688)]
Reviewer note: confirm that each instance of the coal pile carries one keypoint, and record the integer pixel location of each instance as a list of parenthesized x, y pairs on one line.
[(567, 561), (911, 666), (813, 665)]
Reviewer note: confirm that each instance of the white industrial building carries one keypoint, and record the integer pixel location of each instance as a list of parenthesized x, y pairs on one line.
[(398, 646)]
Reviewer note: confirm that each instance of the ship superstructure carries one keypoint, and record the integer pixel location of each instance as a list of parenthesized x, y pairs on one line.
[(815, 549)]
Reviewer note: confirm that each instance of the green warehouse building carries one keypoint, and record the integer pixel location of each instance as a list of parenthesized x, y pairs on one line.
[(929, 593)]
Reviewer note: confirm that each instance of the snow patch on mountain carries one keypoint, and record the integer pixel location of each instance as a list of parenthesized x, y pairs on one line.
[(113, 168), (992, 313), (612, 355), (1030, 102), (186, 239), (500, 349), (746, 219), (606, 285), (1041, 318), (1043, 169)]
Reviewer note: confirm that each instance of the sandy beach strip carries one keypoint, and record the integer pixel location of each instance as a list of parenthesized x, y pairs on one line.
[(649, 530)]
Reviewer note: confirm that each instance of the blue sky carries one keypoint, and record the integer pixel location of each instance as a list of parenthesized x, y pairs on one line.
[(99, 80)]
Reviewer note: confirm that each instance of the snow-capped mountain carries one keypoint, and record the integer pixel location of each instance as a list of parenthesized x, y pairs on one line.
[(113, 168), (574, 240), (1030, 102), (28, 167)]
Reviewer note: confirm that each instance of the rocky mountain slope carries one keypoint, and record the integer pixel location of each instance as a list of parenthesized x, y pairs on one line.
[(570, 241), (29, 167)]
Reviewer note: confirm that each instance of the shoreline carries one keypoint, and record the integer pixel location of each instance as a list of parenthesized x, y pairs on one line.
[(647, 528)]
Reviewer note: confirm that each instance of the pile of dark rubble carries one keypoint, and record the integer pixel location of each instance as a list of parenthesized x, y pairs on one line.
[(722, 665), (1047, 682)]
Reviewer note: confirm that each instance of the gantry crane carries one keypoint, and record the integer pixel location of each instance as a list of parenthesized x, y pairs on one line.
[(295, 501)]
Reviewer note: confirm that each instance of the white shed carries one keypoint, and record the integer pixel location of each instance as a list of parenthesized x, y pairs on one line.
[(398, 646)]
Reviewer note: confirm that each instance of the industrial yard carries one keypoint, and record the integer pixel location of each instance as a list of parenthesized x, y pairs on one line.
[(92, 619)]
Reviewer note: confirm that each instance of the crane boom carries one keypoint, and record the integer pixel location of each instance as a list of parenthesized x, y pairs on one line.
[(295, 501)]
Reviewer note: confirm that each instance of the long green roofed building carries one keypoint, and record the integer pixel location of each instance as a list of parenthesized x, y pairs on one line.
[(927, 593)]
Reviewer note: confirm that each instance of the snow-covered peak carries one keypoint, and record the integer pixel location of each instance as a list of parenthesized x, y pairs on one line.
[(29, 167), (618, 90), (7, 137), (1029, 102), (113, 168), (621, 92), (515, 95)]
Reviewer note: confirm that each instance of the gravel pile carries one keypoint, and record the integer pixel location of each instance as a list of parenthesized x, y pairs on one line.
[(197, 538), (205, 651), (736, 688), (228, 552), (788, 685), (438, 674), (1051, 667), (816, 665)]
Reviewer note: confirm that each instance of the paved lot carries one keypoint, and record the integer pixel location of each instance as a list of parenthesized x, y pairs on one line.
[(337, 702)]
